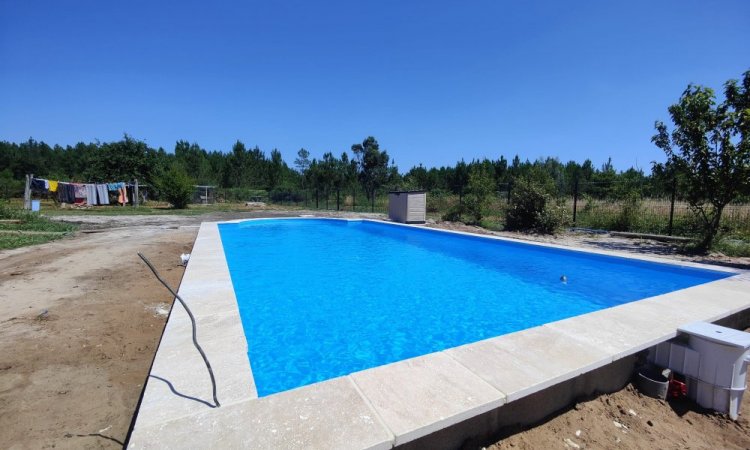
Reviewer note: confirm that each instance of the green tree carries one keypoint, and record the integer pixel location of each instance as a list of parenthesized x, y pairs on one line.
[(276, 169), (177, 187), (235, 166), (315, 178), (123, 160), (479, 192), (302, 162), (533, 206), (459, 179), (373, 166), (710, 149)]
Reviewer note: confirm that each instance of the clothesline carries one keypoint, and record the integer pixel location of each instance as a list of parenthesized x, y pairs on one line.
[(83, 193)]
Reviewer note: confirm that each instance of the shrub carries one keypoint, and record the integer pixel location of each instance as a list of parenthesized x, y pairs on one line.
[(177, 187), (437, 201), (532, 208), (280, 195), (732, 246), (479, 194), (9, 186), (627, 218), (454, 213)]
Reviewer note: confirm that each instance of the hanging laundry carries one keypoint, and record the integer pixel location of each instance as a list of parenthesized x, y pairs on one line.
[(122, 198), (46, 185), (91, 194), (66, 193), (103, 193), (113, 186), (80, 191), (37, 184), (52, 185)]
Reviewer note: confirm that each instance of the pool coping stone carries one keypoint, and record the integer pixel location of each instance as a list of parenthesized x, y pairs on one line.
[(393, 404)]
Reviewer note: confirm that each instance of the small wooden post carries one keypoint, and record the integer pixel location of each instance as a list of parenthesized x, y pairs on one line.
[(135, 193), (27, 192)]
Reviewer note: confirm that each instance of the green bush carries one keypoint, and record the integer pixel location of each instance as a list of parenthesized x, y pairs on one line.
[(438, 201), (732, 246), (10, 187), (455, 213), (532, 208), (627, 218), (177, 187), (479, 194)]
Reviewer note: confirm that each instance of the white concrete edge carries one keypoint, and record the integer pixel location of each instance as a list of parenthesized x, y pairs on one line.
[(237, 330), (375, 413), (464, 415), (204, 329), (448, 421)]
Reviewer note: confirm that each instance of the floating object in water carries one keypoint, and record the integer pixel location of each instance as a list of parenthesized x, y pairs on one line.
[(564, 279)]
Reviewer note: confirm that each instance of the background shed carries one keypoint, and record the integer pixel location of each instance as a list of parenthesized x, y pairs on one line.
[(407, 206)]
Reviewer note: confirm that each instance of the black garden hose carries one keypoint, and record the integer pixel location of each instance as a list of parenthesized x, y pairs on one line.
[(192, 320)]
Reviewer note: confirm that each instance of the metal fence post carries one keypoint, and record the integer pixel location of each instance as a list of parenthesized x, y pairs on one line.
[(510, 186), (671, 206), (575, 201)]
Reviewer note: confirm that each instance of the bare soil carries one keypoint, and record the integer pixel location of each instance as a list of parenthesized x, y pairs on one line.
[(79, 326), (629, 420), (81, 318)]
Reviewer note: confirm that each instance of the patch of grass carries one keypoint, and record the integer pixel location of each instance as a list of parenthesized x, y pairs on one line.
[(492, 223), (40, 229), (149, 210), (733, 246), (10, 241)]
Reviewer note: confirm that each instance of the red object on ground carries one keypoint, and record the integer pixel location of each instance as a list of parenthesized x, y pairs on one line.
[(676, 389)]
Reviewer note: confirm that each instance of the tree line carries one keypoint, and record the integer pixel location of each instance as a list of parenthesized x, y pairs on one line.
[(708, 166), (365, 168)]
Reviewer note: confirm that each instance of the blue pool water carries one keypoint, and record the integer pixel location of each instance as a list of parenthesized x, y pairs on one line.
[(323, 298)]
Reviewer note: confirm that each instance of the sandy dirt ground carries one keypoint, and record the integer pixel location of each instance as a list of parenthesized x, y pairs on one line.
[(81, 318), (628, 420)]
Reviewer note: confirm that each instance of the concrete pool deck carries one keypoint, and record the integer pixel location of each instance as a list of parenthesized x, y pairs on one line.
[(394, 404)]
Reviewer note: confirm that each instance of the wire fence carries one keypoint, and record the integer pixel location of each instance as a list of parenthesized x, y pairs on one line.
[(638, 207), (613, 206), (354, 200)]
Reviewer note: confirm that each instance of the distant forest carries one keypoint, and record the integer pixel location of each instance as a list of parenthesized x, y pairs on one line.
[(365, 166)]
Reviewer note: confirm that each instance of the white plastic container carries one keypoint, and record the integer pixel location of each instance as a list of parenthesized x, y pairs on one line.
[(722, 372), (36, 205)]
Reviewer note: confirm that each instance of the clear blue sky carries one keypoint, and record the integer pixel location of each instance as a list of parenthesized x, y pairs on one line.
[(433, 81)]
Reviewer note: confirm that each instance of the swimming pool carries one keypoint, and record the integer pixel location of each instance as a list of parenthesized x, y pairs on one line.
[(320, 298)]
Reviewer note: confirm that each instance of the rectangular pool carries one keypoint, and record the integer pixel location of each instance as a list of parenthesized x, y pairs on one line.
[(321, 298)]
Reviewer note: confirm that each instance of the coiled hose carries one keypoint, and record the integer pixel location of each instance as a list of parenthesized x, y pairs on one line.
[(192, 320)]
